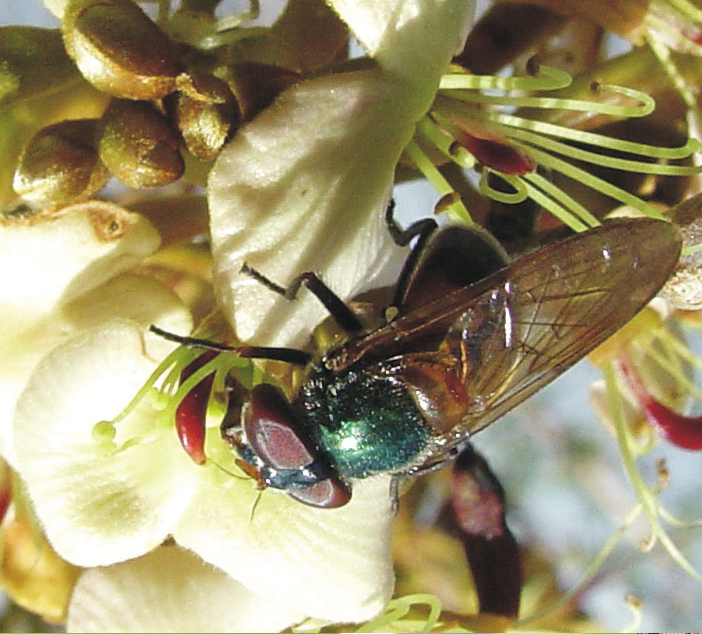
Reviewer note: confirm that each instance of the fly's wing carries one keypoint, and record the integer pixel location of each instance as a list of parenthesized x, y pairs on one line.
[(513, 333), (554, 308)]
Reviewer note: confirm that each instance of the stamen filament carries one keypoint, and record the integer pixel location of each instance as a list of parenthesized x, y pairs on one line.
[(559, 195), (548, 78), (511, 123), (594, 157), (555, 208), (647, 103), (510, 198), (173, 359), (456, 209), (590, 572), (643, 493), (549, 161)]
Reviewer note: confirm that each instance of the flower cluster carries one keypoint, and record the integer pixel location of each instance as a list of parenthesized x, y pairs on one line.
[(271, 149)]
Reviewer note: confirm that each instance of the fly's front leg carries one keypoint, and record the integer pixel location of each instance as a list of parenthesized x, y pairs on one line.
[(336, 306)]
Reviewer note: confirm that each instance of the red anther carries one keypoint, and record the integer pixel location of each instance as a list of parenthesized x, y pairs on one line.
[(682, 431), (5, 489), (191, 414), (497, 155)]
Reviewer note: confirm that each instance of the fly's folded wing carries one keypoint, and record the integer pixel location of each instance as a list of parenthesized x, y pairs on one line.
[(517, 330)]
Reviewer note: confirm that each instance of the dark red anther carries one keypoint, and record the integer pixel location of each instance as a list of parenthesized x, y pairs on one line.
[(191, 414), (682, 431), (693, 34), (5, 489), (497, 155)]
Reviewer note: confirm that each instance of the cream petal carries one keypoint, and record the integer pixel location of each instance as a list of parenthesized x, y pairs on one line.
[(99, 507), (140, 299), (54, 259), (331, 564), (303, 188), (171, 590), (414, 39)]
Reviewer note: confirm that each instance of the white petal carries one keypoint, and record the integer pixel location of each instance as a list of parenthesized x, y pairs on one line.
[(57, 7), (140, 299), (413, 38), (98, 507), (170, 590), (331, 564), (50, 261), (137, 298), (304, 187), (56, 258)]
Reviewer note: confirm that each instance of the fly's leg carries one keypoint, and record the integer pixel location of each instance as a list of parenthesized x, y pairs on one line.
[(336, 306), (402, 237), (286, 355)]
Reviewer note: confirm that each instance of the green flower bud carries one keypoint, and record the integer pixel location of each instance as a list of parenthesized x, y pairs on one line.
[(138, 145), (119, 49), (61, 163), (32, 62), (205, 112)]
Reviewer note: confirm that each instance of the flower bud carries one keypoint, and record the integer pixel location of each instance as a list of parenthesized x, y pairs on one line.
[(61, 163), (34, 62), (256, 85), (205, 111), (119, 49), (138, 145)]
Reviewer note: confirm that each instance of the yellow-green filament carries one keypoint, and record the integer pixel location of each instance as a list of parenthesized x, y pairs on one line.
[(519, 194), (457, 209), (548, 79), (645, 496), (556, 193)]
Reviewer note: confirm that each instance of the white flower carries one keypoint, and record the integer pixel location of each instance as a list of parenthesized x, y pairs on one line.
[(100, 506), (302, 187), (170, 590)]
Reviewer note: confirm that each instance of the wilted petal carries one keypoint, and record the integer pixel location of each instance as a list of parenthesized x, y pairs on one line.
[(99, 506), (304, 187), (328, 564), (171, 590)]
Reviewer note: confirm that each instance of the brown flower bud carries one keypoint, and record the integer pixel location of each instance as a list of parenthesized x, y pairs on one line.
[(257, 85), (205, 111), (138, 145), (61, 163), (119, 49)]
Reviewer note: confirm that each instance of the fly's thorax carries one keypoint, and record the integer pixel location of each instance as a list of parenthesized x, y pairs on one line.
[(365, 420)]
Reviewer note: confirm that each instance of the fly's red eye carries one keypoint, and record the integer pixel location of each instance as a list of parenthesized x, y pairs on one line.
[(274, 432), (191, 414), (328, 494)]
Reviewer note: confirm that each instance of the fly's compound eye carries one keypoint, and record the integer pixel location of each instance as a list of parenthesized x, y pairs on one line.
[(292, 460)]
